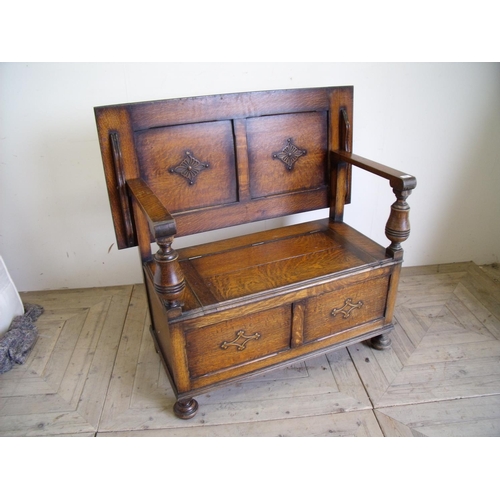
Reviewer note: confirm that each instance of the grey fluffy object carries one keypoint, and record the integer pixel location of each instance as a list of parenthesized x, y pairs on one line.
[(19, 339)]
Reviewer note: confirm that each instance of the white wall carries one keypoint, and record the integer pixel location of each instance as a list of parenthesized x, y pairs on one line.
[(439, 122)]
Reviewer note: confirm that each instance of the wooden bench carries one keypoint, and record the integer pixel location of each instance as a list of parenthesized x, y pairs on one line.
[(226, 310)]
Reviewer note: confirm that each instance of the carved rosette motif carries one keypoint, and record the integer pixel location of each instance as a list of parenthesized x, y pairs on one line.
[(189, 168), (289, 154)]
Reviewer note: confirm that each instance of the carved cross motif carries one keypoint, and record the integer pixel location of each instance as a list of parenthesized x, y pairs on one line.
[(240, 334), (289, 154), (347, 308), (189, 168)]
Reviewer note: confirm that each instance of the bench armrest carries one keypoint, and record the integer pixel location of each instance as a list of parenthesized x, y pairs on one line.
[(161, 223), (398, 180), (168, 278), (397, 228)]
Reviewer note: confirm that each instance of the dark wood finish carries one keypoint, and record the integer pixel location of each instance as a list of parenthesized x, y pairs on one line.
[(225, 310), (381, 342), (186, 408)]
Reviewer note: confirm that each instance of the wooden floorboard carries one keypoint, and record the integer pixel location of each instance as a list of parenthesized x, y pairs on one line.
[(94, 371), (356, 424), (446, 341), (470, 417), (62, 388)]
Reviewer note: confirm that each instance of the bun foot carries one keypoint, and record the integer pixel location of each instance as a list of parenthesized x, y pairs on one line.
[(381, 342), (186, 408)]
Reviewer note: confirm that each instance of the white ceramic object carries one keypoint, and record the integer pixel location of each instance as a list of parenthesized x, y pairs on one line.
[(10, 302)]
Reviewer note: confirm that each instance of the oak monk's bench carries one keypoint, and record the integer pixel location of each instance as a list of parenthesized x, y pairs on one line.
[(229, 309)]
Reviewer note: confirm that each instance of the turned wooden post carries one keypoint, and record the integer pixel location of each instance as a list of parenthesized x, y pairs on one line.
[(169, 280), (168, 277), (397, 228)]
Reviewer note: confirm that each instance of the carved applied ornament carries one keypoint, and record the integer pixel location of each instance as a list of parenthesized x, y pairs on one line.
[(240, 335), (189, 168), (347, 308), (289, 154)]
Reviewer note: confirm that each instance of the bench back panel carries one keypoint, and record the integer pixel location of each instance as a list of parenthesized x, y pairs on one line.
[(223, 160)]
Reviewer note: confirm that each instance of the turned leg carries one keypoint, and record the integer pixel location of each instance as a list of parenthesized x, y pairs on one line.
[(381, 342), (186, 408)]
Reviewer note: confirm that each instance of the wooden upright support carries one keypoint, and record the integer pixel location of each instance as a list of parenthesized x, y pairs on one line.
[(397, 228)]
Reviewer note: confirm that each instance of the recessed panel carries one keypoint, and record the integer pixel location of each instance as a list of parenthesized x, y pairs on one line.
[(287, 153), (237, 341), (189, 166), (345, 308)]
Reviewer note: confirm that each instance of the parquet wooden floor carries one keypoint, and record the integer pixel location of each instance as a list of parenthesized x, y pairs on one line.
[(94, 372)]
